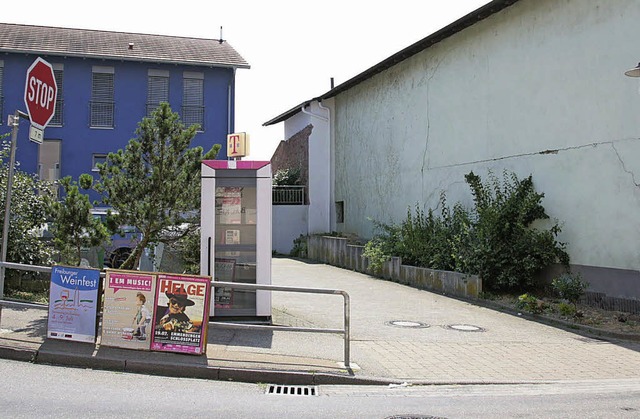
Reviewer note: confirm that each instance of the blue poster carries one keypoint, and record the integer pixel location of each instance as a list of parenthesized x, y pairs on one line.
[(73, 303)]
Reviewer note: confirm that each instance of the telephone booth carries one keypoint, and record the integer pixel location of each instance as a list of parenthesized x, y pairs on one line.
[(235, 244)]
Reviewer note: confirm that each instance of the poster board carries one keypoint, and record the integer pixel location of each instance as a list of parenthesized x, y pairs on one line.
[(73, 303), (129, 299), (224, 270), (181, 314)]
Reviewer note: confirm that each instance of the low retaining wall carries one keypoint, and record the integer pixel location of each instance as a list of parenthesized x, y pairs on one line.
[(337, 252)]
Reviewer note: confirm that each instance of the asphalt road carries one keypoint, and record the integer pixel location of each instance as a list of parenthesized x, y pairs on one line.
[(38, 391)]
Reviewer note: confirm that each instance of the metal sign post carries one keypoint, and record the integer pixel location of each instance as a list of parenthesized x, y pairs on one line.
[(14, 121)]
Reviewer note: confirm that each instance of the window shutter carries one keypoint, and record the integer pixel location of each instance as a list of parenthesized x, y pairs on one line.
[(102, 106), (157, 92), (57, 116), (193, 99)]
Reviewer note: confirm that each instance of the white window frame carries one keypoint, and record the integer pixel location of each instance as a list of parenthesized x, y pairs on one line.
[(97, 158)]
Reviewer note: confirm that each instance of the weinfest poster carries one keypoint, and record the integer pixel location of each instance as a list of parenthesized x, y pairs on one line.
[(129, 299), (73, 303), (181, 314)]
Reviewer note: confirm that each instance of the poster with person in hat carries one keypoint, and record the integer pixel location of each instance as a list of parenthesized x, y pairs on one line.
[(181, 314)]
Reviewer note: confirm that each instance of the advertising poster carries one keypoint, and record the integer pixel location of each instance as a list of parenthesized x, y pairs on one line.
[(129, 298), (181, 314), (229, 204), (73, 303), (224, 270)]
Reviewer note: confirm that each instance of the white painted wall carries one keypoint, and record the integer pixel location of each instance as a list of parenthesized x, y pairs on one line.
[(289, 222), (321, 204), (540, 75)]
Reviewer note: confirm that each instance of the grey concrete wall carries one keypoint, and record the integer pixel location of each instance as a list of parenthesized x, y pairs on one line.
[(337, 252)]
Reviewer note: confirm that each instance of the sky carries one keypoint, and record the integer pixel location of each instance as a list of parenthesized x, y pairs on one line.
[(294, 48)]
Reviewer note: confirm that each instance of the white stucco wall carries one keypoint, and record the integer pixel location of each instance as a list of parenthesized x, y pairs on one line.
[(539, 89), (289, 222), (320, 209)]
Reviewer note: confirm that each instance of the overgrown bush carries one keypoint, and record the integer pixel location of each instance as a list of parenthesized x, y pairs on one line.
[(494, 239), (436, 242), (508, 251)]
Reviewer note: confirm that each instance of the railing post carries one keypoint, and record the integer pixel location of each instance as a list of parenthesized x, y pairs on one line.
[(347, 326)]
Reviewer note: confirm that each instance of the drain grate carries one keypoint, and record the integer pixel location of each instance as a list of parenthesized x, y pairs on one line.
[(414, 417), (292, 390)]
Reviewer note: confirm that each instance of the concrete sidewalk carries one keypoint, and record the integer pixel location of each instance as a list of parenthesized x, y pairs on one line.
[(398, 334)]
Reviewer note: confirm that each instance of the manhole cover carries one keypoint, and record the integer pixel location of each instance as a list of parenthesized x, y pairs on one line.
[(465, 328), (407, 323)]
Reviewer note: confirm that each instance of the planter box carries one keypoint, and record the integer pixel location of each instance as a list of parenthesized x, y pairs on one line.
[(336, 251)]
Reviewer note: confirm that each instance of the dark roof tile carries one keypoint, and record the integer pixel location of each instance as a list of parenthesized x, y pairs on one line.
[(48, 40)]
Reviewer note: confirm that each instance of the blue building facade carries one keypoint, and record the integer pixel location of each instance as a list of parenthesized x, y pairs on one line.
[(109, 81)]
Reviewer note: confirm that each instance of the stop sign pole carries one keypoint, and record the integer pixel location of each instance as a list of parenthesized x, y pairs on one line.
[(40, 98)]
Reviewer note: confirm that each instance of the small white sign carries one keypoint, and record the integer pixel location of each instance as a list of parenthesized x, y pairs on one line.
[(36, 134)]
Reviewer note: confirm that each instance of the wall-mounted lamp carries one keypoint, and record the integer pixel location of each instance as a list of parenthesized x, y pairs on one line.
[(634, 72)]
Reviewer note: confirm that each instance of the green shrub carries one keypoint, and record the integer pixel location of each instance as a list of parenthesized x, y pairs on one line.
[(299, 247), (528, 302), (567, 309), (286, 177), (509, 252), (570, 287)]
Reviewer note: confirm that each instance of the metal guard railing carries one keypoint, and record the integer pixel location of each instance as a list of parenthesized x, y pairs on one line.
[(345, 331)]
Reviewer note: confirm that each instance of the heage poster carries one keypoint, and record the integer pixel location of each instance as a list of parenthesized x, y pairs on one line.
[(73, 303), (129, 298), (181, 314)]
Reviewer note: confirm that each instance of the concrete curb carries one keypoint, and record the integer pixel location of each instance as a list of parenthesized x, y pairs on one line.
[(581, 329), (86, 359)]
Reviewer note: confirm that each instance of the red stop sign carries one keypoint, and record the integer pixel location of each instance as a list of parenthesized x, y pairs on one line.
[(40, 93)]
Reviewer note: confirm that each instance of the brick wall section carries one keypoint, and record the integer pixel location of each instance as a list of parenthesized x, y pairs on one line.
[(293, 154)]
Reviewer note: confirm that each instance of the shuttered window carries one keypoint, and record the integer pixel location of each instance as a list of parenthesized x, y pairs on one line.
[(193, 99), (1, 94), (157, 89), (58, 73), (102, 105)]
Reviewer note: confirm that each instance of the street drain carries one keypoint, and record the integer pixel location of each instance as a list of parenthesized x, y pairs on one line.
[(292, 390), (407, 323), (414, 417), (465, 328)]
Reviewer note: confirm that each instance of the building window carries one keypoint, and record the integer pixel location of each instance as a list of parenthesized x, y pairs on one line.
[(193, 99), (98, 159), (58, 71), (157, 89), (340, 212), (102, 105), (1, 94)]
